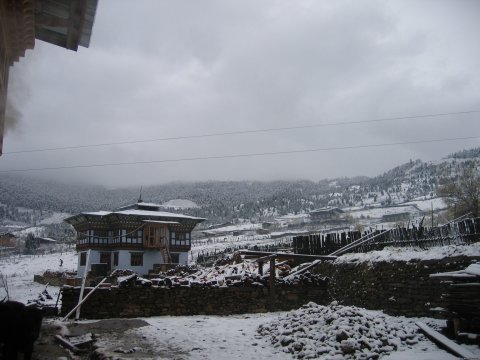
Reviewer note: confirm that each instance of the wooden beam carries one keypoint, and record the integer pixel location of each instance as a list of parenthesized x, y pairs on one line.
[(445, 342), (286, 255), (271, 283), (84, 299), (312, 265), (85, 274), (64, 342)]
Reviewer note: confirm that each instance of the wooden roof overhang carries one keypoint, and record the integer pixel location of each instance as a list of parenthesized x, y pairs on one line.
[(66, 23)]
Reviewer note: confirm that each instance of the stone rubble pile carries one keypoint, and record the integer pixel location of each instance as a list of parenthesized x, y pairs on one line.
[(237, 275), (339, 332)]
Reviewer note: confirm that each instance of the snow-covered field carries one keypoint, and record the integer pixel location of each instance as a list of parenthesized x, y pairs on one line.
[(19, 271), (377, 213), (320, 332)]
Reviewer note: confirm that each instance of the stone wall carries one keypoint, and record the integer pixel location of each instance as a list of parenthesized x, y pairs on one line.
[(53, 278), (155, 301), (397, 287)]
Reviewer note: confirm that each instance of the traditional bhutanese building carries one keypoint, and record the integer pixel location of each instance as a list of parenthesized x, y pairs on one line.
[(66, 23), (139, 237)]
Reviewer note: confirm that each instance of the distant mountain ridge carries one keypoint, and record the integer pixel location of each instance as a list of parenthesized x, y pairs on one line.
[(222, 201)]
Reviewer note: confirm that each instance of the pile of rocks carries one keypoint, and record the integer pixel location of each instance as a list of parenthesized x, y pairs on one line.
[(339, 332), (239, 274)]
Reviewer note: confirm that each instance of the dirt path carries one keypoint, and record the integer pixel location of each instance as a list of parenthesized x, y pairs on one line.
[(113, 340)]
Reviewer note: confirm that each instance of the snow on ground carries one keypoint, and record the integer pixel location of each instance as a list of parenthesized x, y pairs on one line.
[(408, 254), (236, 337), (426, 205), (211, 337), (313, 329), (379, 212), (55, 218), (19, 271)]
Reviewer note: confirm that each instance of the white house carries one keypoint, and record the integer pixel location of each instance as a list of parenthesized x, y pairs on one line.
[(136, 237)]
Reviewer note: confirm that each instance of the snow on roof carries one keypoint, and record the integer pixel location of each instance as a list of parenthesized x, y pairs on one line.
[(97, 213), (161, 222), (148, 204), (326, 209), (128, 210), (238, 227), (155, 213), (46, 239)]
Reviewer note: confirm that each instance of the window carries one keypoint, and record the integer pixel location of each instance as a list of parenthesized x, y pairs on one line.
[(180, 238), (115, 259), (175, 257), (134, 237), (136, 259), (83, 258), (105, 258), (89, 236)]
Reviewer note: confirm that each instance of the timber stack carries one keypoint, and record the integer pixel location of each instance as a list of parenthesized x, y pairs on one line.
[(461, 303)]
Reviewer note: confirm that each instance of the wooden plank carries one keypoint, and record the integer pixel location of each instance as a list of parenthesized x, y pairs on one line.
[(473, 269), (286, 255), (271, 284), (84, 299), (64, 342), (445, 342), (313, 264), (85, 274)]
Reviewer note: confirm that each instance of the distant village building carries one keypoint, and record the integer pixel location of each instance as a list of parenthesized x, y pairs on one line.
[(45, 243), (402, 216), (327, 213), (137, 237), (8, 240)]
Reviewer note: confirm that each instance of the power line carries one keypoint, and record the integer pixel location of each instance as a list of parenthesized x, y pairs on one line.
[(244, 155), (243, 132)]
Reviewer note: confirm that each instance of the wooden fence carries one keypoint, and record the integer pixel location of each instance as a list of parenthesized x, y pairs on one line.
[(466, 231), (207, 258)]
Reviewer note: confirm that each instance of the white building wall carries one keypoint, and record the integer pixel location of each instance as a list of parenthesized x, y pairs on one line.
[(94, 259), (150, 257), (183, 258)]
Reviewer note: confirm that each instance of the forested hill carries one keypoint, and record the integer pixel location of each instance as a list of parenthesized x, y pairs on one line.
[(221, 201)]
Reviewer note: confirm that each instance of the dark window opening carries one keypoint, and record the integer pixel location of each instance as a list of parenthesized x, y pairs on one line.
[(136, 259), (115, 259), (105, 258), (175, 258), (83, 259)]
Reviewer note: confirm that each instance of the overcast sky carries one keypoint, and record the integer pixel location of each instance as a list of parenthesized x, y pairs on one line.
[(162, 69)]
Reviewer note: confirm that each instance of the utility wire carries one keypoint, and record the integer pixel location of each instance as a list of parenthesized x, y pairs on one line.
[(243, 132), (244, 155)]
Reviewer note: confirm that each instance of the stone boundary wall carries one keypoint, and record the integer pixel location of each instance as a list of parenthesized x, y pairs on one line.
[(117, 302), (396, 287)]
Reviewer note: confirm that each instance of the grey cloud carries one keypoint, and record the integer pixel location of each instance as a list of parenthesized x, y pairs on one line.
[(164, 69)]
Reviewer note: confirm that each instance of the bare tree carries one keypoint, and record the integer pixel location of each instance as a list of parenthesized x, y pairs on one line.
[(463, 195)]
